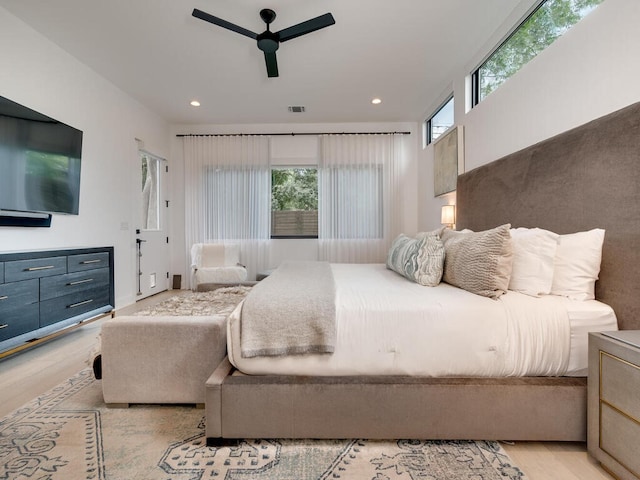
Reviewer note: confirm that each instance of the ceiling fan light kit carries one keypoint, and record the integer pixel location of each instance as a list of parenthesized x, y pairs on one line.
[(268, 41)]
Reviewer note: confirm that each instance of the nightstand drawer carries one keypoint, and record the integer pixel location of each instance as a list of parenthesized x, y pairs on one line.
[(16, 294), (60, 308), (620, 384), (88, 261), (35, 268), (19, 320), (619, 438), (62, 285)]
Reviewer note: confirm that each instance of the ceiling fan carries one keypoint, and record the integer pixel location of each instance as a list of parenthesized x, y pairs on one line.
[(269, 41)]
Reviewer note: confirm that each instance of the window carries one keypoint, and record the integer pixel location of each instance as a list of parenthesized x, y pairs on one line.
[(150, 192), (439, 122), (550, 20), (294, 203)]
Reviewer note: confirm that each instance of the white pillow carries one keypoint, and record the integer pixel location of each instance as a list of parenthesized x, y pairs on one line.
[(534, 250), (577, 264)]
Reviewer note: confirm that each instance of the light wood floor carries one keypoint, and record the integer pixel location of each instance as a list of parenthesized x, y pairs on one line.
[(32, 372)]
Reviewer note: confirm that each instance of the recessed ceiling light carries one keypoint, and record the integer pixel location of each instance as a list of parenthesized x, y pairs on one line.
[(195, 103), (376, 101)]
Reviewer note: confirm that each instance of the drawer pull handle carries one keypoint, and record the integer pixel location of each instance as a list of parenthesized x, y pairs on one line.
[(86, 262), (35, 269), (80, 282), (4, 297), (4, 325), (79, 304)]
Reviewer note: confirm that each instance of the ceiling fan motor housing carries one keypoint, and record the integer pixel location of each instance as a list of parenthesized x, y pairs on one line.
[(268, 41)]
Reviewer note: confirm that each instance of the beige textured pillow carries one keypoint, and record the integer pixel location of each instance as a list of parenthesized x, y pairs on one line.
[(479, 262)]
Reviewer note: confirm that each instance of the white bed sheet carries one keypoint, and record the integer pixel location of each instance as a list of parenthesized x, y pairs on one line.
[(387, 325)]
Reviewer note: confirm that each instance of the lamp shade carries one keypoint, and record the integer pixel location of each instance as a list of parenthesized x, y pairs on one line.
[(448, 216)]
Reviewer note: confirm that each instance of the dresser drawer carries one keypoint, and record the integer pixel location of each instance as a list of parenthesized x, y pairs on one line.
[(69, 283), (16, 294), (620, 384), (17, 270), (87, 261), (619, 438), (61, 308), (19, 320)]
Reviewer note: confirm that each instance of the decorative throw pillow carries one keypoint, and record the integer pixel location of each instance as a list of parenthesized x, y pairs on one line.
[(534, 250), (577, 264), (479, 262), (420, 261), (437, 232)]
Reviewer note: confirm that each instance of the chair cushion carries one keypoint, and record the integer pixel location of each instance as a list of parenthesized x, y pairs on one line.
[(221, 275), (212, 255)]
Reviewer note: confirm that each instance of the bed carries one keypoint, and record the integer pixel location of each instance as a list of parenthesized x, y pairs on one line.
[(583, 179), (388, 325)]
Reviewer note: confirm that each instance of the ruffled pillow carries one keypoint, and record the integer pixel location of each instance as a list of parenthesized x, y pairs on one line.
[(419, 260)]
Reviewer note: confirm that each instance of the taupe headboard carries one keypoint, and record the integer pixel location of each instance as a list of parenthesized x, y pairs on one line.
[(587, 177)]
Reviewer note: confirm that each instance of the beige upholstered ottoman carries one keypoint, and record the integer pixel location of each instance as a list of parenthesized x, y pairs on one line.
[(166, 359)]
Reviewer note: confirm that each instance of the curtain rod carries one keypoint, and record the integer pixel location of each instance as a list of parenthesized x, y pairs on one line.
[(292, 134)]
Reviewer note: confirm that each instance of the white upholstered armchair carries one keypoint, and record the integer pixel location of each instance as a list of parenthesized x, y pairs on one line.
[(216, 263)]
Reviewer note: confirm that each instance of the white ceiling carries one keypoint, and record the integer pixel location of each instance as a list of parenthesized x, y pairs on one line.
[(403, 51)]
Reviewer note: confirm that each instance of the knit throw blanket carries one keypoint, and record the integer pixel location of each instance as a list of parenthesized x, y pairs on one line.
[(290, 312)]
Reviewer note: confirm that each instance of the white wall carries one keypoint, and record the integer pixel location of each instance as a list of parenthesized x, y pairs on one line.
[(284, 249), (38, 74), (590, 71)]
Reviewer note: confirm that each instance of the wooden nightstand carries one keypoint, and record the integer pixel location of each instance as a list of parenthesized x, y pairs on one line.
[(614, 402)]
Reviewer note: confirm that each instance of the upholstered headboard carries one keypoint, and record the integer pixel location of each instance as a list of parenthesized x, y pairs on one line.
[(587, 177)]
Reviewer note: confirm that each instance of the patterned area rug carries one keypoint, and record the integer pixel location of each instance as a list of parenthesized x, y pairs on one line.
[(69, 434), (221, 302)]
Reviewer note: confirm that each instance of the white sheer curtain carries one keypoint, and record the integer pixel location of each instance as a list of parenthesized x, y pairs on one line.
[(359, 196), (227, 193)]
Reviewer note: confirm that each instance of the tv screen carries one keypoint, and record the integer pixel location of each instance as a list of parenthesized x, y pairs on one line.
[(39, 161)]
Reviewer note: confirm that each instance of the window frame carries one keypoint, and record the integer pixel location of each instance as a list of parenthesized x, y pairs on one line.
[(428, 124)]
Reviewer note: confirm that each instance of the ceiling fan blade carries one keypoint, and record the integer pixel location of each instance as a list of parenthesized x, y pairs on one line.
[(309, 26), (272, 64), (223, 23)]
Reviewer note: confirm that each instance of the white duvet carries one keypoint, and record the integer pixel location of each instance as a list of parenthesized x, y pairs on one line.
[(388, 325)]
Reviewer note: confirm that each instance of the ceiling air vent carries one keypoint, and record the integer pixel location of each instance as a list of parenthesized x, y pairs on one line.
[(296, 109)]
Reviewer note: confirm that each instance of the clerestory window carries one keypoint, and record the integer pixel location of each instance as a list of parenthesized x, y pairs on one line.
[(439, 122), (549, 21)]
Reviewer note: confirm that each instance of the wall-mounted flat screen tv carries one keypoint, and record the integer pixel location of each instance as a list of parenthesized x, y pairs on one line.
[(39, 161)]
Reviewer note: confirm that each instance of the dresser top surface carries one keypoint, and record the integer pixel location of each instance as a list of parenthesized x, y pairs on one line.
[(631, 337)]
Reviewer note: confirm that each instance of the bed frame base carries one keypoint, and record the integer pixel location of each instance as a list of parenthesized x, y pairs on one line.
[(531, 408)]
